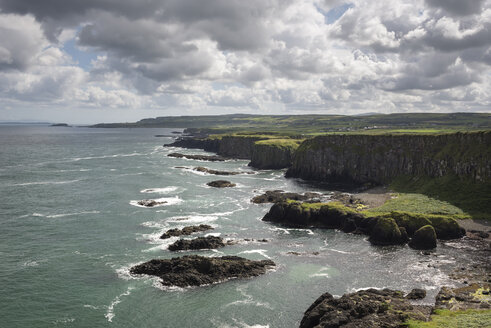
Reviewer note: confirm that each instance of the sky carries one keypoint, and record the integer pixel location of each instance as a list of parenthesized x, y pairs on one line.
[(122, 60)]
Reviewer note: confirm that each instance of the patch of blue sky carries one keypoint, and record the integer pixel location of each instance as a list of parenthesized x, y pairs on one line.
[(335, 13), (81, 57)]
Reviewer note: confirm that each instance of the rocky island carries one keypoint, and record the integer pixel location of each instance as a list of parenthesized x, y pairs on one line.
[(196, 270)]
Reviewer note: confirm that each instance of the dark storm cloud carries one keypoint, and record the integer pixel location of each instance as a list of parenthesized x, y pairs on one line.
[(458, 7)]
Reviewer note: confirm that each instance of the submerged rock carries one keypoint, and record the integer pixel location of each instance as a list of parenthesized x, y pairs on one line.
[(424, 238), (275, 196), (185, 231), (211, 158), (209, 242), (198, 270), (150, 202), (365, 308), (221, 184), (387, 232)]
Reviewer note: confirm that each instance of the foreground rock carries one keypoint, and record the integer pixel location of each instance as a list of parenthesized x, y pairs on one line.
[(365, 308), (186, 231), (198, 270), (150, 202), (209, 242), (221, 184), (211, 158), (275, 196), (424, 238), (474, 296)]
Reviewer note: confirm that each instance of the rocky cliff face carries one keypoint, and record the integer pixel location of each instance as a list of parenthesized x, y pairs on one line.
[(262, 156), (237, 146), (380, 158), (271, 157)]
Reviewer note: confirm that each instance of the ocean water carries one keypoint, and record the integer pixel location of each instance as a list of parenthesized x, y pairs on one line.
[(71, 229)]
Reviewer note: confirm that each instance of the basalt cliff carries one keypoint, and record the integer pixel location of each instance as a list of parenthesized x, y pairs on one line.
[(380, 158)]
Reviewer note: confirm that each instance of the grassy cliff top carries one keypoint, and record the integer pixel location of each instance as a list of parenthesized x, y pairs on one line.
[(289, 125)]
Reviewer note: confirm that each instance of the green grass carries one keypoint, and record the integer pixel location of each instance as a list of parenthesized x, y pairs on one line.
[(421, 204), (281, 143), (455, 319), (448, 195)]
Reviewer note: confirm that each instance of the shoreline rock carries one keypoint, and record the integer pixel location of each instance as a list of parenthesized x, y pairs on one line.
[(211, 158), (197, 270), (186, 231), (216, 172), (364, 308), (210, 242), (424, 238), (221, 184), (275, 196)]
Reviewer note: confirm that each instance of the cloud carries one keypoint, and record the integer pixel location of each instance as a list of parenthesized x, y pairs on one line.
[(458, 7), (257, 55)]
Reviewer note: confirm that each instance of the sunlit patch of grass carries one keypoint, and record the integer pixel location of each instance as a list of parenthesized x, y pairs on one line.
[(455, 319)]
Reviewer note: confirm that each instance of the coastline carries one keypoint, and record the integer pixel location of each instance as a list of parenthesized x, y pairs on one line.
[(477, 276)]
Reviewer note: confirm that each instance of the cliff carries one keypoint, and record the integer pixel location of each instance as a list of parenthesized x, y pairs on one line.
[(381, 158), (264, 151), (273, 153)]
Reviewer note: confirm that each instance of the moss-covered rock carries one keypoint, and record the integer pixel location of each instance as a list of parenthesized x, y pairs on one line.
[(410, 222), (387, 232), (321, 215), (446, 228), (424, 238)]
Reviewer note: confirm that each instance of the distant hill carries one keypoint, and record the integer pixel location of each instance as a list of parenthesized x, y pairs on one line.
[(317, 124)]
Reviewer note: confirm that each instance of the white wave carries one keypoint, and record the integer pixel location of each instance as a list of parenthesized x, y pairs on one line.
[(320, 273), (258, 251), (77, 159), (42, 183), (90, 306), (124, 271), (165, 202), (337, 251), (110, 309), (285, 231), (165, 190), (38, 214), (71, 214), (193, 219), (30, 263), (213, 234)]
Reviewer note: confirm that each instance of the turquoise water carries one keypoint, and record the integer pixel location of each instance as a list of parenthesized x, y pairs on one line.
[(70, 231)]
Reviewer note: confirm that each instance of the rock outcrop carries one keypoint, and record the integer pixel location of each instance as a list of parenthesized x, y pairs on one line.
[(215, 172), (318, 215), (211, 158), (150, 202), (363, 309), (380, 158), (382, 230), (387, 232), (424, 238), (198, 270), (221, 184), (186, 231), (210, 242), (275, 196)]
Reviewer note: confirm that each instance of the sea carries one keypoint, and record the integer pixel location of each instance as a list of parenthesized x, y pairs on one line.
[(71, 228)]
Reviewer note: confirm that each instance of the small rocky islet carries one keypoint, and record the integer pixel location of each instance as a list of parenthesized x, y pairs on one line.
[(186, 231), (194, 270)]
